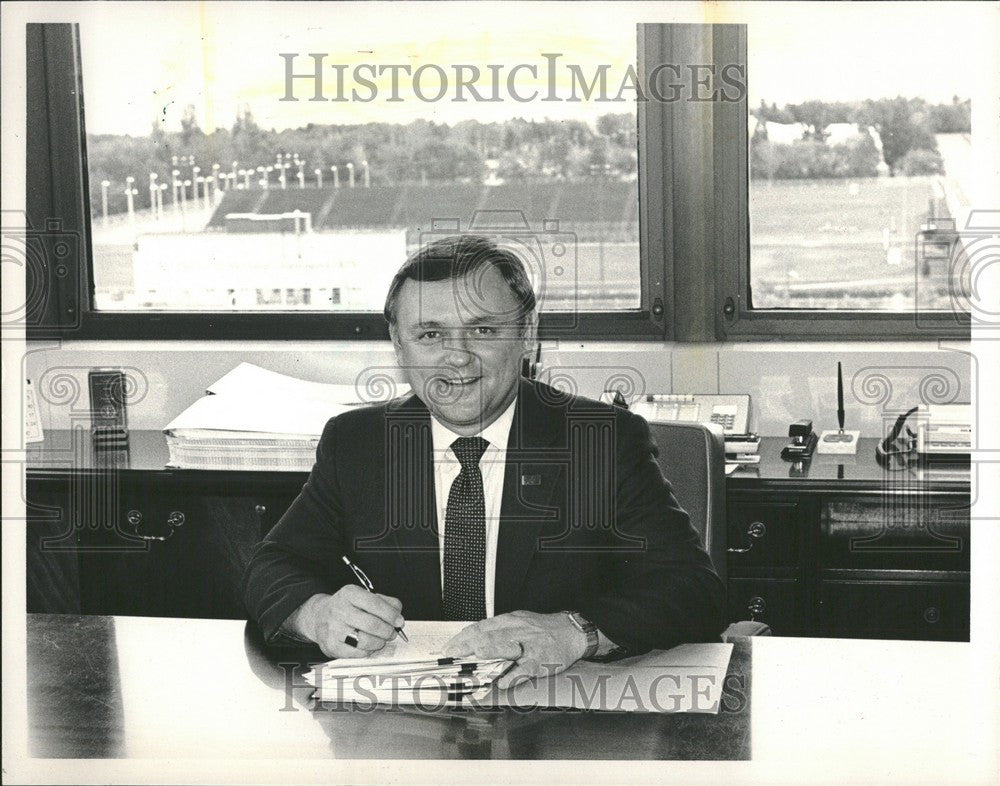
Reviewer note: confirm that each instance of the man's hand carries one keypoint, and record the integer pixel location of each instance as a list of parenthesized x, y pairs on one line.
[(329, 620), (542, 644)]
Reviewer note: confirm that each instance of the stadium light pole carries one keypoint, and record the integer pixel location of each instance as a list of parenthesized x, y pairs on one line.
[(175, 182), (336, 177), (104, 202), (152, 193), (301, 176), (350, 174), (215, 177), (319, 177), (130, 193)]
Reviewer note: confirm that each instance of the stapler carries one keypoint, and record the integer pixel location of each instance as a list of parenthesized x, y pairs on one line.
[(803, 441)]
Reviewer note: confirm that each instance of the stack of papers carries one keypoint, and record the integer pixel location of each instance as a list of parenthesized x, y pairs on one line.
[(688, 678), (414, 672), (255, 419)]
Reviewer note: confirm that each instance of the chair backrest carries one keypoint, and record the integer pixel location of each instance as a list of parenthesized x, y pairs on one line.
[(693, 458)]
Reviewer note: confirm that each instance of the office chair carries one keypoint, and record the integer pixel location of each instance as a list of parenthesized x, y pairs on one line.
[(693, 458)]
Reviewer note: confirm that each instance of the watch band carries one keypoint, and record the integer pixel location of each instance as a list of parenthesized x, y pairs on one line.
[(586, 627)]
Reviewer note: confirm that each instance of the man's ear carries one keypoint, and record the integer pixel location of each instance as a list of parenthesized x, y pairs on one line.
[(394, 336), (529, 332)]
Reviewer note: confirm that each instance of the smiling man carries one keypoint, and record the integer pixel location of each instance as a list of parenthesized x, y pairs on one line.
[(540, 517)]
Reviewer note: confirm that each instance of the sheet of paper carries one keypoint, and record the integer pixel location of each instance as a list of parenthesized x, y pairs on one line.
[(258, 382), (303, 416), (688, 678), (427, 639)]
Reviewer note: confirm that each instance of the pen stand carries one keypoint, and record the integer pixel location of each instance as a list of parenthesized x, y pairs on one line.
[(838, 441)]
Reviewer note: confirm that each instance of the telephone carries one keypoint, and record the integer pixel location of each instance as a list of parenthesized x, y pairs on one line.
[(944, 433), (731, 411)]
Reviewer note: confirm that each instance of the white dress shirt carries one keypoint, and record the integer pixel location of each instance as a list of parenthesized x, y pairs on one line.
[(492, 466)]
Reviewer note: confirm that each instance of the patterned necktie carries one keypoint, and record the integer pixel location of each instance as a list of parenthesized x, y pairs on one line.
[(465, 536)]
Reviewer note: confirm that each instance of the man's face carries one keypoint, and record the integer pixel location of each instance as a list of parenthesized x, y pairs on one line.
[(460, 344)]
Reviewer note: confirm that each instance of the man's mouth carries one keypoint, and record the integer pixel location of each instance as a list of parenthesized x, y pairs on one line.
[(459, 381)]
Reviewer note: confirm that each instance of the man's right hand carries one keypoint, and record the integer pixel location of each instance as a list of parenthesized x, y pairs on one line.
[(328, 620)]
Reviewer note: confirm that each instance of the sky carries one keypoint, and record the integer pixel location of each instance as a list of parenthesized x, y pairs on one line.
[(145, 61)]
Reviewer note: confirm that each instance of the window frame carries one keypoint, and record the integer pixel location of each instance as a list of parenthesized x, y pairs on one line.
[(56, 121), (685, 149)]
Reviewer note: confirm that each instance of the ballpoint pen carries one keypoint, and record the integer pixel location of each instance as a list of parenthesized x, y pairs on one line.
[(366, 582)]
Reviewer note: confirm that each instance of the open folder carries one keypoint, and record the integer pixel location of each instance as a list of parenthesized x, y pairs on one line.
[(688, 678)]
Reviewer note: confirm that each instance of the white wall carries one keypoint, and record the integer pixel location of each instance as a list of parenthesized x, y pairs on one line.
[(787, 381)]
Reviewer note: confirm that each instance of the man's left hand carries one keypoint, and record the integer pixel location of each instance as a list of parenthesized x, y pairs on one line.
[(542, 644)]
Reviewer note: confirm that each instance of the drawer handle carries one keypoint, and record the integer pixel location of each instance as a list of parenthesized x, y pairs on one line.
[(260, 510), (756, 606), (174, 520), (755, 531)]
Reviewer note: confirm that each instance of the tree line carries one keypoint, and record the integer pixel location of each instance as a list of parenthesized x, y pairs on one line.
[(905, 126), (425, 151), (421, 151)]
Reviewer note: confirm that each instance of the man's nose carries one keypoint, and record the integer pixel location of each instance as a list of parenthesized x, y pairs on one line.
[(457, 352)]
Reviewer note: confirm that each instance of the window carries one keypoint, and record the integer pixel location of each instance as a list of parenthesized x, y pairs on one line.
[(859, 157), (224, 178), (760, 191), (858, 173)]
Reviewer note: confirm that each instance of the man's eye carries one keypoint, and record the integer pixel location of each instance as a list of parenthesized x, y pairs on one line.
[(429, 335), (485, 330)]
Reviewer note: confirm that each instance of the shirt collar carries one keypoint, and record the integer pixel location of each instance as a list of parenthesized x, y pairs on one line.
[(497, 433)]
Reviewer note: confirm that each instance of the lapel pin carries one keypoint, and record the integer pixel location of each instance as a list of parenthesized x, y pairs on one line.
[(531, 480)]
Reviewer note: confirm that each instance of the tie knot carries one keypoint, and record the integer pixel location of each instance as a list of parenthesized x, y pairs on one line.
[(468, 451)]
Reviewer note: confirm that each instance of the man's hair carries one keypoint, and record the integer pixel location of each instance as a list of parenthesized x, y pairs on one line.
[(455, 257)]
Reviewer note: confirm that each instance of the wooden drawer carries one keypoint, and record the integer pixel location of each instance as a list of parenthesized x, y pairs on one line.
[(191, 563), (774, 601), (895, 533), (764, 534), (930, 611)]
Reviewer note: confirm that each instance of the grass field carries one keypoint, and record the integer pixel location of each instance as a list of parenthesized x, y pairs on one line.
[(842, 244), (816, 244)]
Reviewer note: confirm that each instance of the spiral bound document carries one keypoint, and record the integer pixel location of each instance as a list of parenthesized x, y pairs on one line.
[(409, 672)]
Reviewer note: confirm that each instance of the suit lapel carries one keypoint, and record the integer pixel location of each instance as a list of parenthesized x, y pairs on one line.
[(411, 511), (534, 471)]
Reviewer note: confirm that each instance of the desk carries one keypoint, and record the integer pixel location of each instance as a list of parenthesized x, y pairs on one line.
[(170, 695), (112, 687), (837, 547)]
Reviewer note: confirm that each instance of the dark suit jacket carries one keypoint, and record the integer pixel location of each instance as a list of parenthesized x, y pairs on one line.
[(588, 523)]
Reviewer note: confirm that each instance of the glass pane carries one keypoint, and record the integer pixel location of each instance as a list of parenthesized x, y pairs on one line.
[(218, 183), (860, 143)]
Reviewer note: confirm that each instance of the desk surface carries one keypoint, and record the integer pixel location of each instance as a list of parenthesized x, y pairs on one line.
[(111, 687), (170, 689), (147, 455)]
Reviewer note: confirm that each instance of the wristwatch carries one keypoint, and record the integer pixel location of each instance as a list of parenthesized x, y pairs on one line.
[(588, 628)]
